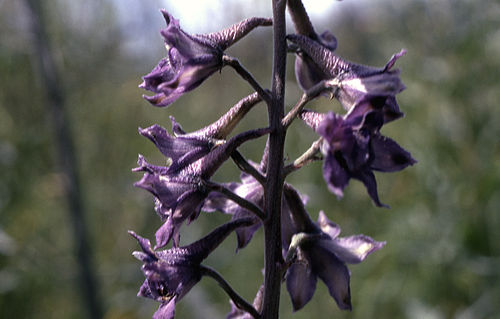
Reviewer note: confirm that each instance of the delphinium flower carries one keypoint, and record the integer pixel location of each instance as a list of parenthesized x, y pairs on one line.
[(351, 83), (353, 148), (317, 251), (171, 273), (191, 58)]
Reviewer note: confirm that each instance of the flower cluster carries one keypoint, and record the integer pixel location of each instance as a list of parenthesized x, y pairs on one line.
[(350, 146)]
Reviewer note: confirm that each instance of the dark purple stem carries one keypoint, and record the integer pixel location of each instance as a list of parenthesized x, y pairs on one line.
[(274, 183)]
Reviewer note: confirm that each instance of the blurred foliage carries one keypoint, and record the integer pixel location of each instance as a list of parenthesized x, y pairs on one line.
[(442, 258)]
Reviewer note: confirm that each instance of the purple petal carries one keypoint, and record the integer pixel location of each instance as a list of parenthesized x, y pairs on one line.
[(352, 249), (145, 245), (335, 175), (301, 284), (334, 274), (368, 179), (393, 59), (388, 156), (327, 226), (166, 310), (144, 291), (164, 233)]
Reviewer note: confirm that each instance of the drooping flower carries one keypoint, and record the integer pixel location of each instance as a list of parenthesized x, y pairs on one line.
[(353, 148), (350, 82), (171, 273), (321, 253), (191, 58), (180, 192)]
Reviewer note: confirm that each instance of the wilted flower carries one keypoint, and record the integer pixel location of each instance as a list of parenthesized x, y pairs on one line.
[(171, 273), (191, 58), (353, 148), (319, 252), (351, 83)]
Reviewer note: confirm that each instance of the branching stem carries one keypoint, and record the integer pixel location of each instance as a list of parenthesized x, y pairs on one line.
[(246, 75), (306, 97), (309, 156)]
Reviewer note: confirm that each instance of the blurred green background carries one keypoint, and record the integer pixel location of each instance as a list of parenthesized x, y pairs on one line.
[(442, 258)]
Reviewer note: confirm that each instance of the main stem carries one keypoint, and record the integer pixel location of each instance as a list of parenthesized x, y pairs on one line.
[(275, 180)]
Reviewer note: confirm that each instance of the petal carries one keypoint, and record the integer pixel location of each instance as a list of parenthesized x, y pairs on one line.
[(327, 226), (144, 291), (368, 179), (164, 233), (352, 249), (301, 284), (393, 59), (388, 156), (245, 234), (333, 273), (145, 245), (166, 310), (336, 176)]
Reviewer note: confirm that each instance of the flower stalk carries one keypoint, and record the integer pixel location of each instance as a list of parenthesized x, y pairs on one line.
[(297, 250)]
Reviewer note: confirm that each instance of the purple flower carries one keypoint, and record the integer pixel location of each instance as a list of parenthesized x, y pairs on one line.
[(171, 273), (191, 58), (353, 148), (180, 192), (185, 148), (319, 252), (351, 83)]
